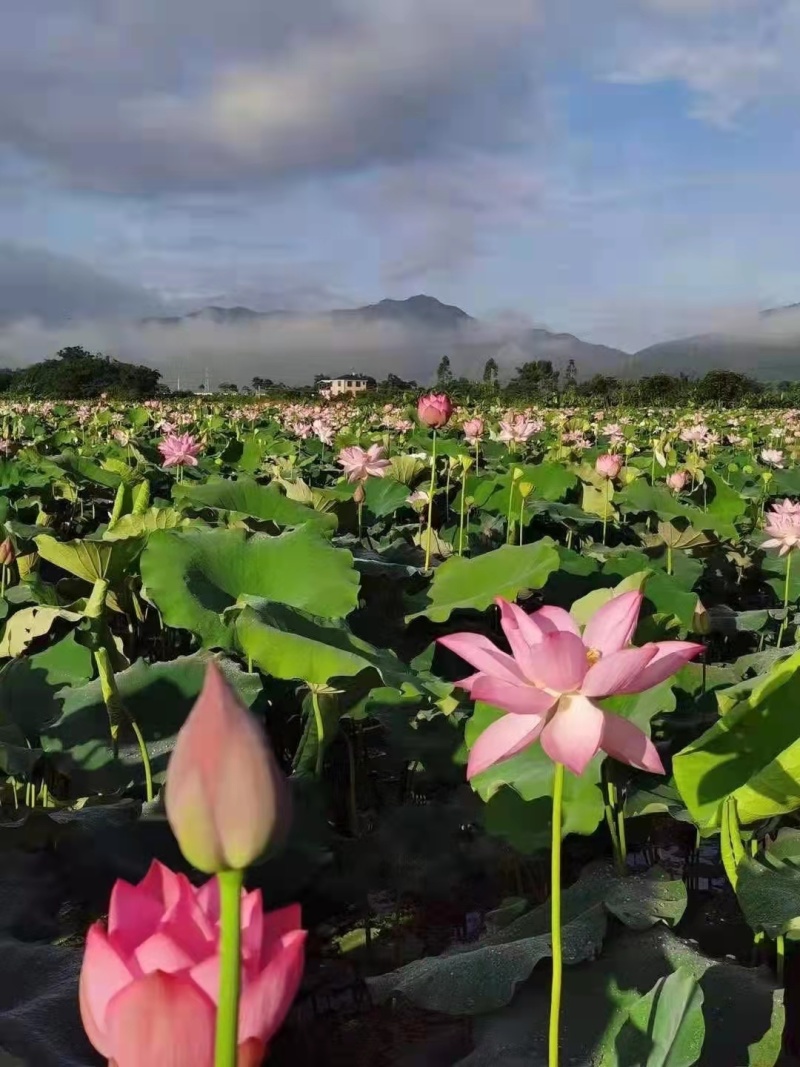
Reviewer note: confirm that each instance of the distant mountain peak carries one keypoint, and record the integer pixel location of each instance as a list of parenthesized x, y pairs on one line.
[(422, 310)]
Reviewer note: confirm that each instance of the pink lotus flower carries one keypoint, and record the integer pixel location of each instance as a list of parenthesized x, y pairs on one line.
[(149, 983), (434, 410), (677, 481), (179, 450), (782, 523), (608, 465), (359, 463), (225, 797), (549, 685), (772, 456), (473, 430), (517, 429)]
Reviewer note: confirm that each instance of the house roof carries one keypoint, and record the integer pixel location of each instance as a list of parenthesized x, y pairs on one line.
[(350, 376)]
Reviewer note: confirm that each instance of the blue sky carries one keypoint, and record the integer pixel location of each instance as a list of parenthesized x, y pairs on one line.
[(624, 170)]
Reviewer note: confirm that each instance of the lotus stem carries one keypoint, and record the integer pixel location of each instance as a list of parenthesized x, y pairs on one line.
[(780, 950), (555, 914), (320, 732), (227, 1034), (785, 599), (461, 516), (430, 505)]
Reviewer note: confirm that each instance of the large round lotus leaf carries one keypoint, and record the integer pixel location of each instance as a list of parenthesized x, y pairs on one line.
[(193, 576)]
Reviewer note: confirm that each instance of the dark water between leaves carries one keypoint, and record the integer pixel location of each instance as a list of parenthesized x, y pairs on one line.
[(45, 906)]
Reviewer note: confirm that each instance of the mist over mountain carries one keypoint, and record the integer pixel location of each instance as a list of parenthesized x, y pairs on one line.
[(401, 336), (765, 346), (406, 337)]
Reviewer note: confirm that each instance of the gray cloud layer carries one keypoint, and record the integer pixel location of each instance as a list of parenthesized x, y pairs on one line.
[(218, 93)]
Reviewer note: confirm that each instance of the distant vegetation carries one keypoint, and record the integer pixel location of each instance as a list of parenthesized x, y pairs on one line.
[(74, 373)]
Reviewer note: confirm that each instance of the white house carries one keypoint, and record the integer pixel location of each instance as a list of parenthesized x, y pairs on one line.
[(351, 382)]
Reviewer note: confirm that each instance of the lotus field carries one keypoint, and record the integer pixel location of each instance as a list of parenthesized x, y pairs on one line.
[(374, 733)]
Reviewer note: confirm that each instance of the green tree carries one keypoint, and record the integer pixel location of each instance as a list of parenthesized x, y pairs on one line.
[(444, 375), (490, 372), (76, 374), (537, 379), (726, 387)]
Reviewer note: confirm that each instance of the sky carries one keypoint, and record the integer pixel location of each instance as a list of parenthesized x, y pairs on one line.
[(625, 170)]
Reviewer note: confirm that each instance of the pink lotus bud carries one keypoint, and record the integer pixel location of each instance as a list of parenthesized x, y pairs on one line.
[(359, 495), (7, 554), (225, 795), (434, 410), (677, 481), (608, 465), (149, 984)]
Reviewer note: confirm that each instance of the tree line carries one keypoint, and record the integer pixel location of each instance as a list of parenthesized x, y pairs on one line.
[(76, 374)]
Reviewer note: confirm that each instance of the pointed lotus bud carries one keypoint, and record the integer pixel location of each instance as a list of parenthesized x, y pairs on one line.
[(359, 495), (7, 554), (701, 620), (226, 798)]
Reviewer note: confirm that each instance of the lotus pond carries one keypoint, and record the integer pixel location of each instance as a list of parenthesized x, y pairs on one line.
[(331, 559)]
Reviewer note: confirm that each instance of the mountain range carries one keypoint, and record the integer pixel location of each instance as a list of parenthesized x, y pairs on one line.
[(766, 345), (446, 329)]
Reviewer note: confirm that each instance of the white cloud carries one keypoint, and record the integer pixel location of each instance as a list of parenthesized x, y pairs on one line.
[(725, 77)]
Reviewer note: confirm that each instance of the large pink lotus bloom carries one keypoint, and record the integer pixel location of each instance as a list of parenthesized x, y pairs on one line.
[(608, 465), (550, 684), (149, 983), (434, 410), (179, 450), (473, 430), (360, 463), (225, 796), (782, 523)]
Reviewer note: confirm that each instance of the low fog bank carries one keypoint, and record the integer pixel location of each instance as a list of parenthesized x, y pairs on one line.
[(290, 351)]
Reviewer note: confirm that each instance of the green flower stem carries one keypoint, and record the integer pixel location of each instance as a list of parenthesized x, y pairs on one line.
[(669, 558), (616, 825), (605, 509), (555, 914), (430, 505), (320, 732), (611, 823), (461, 516), (785, 598), (780, 949), (227, 1035), (521, 519), (508, 516)]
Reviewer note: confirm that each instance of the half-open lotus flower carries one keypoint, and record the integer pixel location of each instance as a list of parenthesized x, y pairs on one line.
[(179, 450), (362, 463), (550, 684), (149, 982), (782, 523)]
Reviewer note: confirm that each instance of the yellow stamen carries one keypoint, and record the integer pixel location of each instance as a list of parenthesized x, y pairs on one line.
[(592, 655)]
